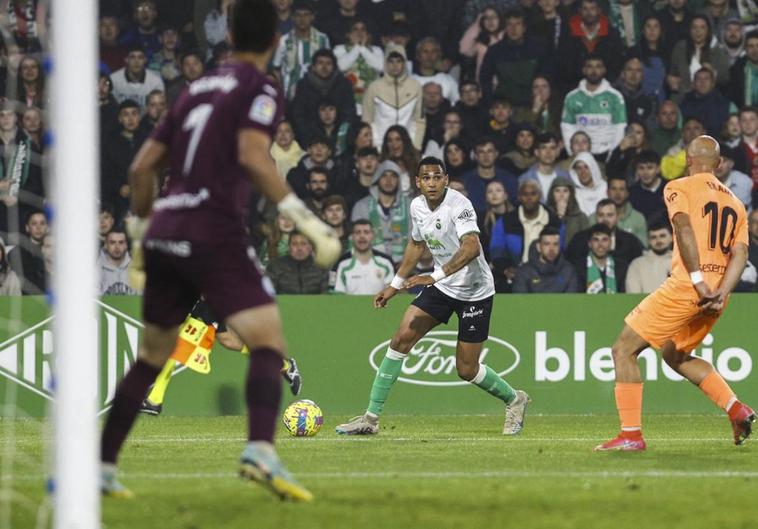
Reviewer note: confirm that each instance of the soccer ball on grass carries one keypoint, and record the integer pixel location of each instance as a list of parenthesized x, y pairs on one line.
[(303, 418)]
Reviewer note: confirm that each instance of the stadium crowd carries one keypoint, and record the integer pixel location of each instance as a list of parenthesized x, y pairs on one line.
[(562, 121)]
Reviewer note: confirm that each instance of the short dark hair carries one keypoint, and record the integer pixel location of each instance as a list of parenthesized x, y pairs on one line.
[(296, 233), (619, 178), (324, 52), (128, 103), (191, 53), (470, 82), (600, 228), (155, 92), (484, 140), (514, 12), (605, 202), (326, 102), (548, 231), (135, 47), (431, 160), (543, 138), (751, 35), (117, 228), (749, 108), (34, 212), (319, 170), (705, 69), (367, 151), (362, 222), (333, 200), (501, 100), (593, 57), (316, 139), (647, 156), (693, 118), (253, 25), (303, 5), (659, 224)]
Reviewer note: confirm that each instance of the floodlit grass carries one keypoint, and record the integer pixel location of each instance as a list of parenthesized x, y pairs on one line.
[(421, 471)]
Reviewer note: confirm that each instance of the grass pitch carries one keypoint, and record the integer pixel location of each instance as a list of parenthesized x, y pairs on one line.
[(420, 472)]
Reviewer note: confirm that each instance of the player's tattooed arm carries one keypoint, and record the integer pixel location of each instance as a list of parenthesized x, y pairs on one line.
[(412, 255), (468, 251), (413, 252)]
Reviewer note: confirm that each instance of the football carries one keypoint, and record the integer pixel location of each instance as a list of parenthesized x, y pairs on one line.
[(303, 418)]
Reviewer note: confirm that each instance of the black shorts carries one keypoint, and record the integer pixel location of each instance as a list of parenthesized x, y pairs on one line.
[(226, 274), (473, 316)]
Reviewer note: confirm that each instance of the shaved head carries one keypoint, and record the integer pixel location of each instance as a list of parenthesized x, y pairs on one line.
[(703, 153)]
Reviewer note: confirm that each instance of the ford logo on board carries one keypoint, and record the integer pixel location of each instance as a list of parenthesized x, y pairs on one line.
[(431, 362)]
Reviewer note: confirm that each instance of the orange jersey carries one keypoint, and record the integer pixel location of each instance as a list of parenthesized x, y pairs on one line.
[(718, 219)]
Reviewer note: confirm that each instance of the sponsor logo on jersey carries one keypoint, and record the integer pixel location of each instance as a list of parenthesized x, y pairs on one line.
[(466, 214), (433, 244), (431, 362)]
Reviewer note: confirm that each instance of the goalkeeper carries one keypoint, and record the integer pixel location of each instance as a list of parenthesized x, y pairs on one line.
[(193, 348)]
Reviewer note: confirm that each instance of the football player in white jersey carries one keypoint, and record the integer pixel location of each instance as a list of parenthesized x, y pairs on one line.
[(445, 221)]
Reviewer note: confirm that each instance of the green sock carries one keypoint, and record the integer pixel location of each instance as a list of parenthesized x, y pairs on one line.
[(491, 382), (384, 380)]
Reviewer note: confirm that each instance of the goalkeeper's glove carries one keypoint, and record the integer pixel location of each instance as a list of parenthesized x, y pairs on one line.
[(326, 243), (136, 227)]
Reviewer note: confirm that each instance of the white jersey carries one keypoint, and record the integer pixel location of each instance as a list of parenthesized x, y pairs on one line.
[(354, 277), (442, 230)]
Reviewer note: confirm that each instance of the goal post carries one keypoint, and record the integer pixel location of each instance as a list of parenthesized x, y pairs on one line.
[(75, 178)]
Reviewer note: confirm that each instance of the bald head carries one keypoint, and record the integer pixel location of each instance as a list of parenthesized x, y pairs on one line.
[(703, 153)]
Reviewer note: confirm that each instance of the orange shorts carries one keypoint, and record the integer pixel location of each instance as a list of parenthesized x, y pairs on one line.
[(671, 313)]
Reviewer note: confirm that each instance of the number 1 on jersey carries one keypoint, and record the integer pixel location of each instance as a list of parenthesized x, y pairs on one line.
[(195, 121)]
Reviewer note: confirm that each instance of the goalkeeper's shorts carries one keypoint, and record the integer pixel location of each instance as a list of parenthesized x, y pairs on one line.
[(227, 274)]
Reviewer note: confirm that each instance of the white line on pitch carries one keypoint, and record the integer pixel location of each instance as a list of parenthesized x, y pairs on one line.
[(355, 439), (361, 439), (475, 475), (653, 474)]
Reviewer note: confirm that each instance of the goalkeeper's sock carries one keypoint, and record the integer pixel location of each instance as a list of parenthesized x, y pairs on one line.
[(629, 406), (263, 393), (716, 389), (385, 378), (158, 392), (126, 404), (491, 382)]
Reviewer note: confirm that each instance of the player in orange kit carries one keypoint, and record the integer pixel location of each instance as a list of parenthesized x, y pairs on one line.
[(710, 252)]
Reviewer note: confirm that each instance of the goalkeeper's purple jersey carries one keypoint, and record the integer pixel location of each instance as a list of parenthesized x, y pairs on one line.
[(208, 191)]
